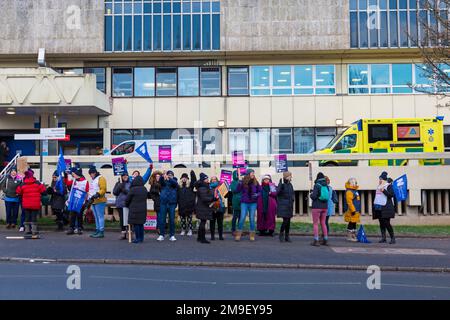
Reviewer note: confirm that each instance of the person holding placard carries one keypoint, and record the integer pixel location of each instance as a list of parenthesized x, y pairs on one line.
[(136, 201), (384, 209), (203, 207), (155, 195), (121, 190), (218, 210), (267, 207), (79, 188), (235, 201), (186, 202)]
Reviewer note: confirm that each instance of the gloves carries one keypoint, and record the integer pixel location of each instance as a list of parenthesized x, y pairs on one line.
[(96, 196), (151, 166), (50, 190)]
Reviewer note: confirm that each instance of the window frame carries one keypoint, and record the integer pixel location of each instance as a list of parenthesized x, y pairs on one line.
[(228, 81), (112, 82), (370, 137)]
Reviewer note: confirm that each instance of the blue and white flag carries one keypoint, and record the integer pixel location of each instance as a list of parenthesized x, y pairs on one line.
[(76, 200), (142, 150), (400, 186), (60, 168)]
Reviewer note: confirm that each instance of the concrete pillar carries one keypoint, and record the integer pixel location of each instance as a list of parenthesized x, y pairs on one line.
[(432, 206), (446, 202), (341, 202), (424, 202), (439, 202), (106, 140), (370, 200), (300, 200), (399, 208), (363, 202)]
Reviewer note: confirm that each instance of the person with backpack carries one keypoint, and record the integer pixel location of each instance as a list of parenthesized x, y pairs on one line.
[(121, 190), (285, 208), (57, 200), (186, 202), (267, 207), (31, 191), (204, 205), (320, 196), (332, 201), (79, 183), (169, 198), (136, 201), (235, 202), (384, 209), (97, 196), (11, 198), (352, 208)]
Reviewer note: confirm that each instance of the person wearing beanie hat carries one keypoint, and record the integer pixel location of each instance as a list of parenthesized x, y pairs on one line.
[(235, 201), (121, 190), (320, 197), (267, 207), (77, 172), (285, 208), (57, 200), (80, 183), (169, 194), (384, 206), (203, 177), (250, 190), (97, 192), (12, 201), (203, 208), (186, 202), (352, 207)]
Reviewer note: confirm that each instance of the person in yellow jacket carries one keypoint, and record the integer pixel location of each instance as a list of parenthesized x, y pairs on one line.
[(352, 207), (97, 192)]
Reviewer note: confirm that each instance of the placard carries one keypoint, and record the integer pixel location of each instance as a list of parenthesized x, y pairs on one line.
[(150, 223), (119, 166), (226, 175), (400, 186), (281, 164), (165, 153), (238, 159)]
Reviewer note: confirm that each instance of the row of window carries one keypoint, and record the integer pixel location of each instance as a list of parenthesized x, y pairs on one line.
[(394, 23), (100, 74), (393, 78), (251, 141), (162, 26)]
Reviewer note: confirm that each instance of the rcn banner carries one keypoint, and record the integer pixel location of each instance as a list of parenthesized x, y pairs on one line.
[(142, 150), (165, 153), (150, 222), (238, 159), (281, 164), (226, 175), (119, 166), (400, 186), (76, 200)]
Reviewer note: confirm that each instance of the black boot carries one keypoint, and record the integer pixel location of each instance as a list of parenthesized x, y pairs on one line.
[(392, 240), (383, 237), (281, 236), (287, 238), (203, 238)]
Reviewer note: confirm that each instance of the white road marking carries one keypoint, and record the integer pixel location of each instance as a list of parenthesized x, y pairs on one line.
[(393, 251), (156, 280), (293, 283), (414, 286)]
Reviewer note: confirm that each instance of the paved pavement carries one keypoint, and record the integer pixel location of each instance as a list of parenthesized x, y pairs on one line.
[(418, 253), (49, 281)]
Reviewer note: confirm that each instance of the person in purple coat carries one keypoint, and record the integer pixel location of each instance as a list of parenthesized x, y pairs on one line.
[(250, 190), (267, 207)]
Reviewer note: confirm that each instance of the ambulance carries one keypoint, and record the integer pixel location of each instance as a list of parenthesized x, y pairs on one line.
[(388, 136)]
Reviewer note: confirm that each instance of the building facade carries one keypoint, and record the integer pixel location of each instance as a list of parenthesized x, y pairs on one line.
[(262, 76)]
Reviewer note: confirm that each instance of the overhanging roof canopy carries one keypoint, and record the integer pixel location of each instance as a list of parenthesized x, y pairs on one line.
[(35, 91)]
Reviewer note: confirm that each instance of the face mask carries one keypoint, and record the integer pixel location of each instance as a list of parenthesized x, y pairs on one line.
[(214, 184)]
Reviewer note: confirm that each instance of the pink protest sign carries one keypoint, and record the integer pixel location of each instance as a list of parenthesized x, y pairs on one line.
[(238, 159), (226, 175), (165, 154)]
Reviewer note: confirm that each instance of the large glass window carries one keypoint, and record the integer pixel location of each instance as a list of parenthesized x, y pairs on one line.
[(282, 141), (304, 140), (122, 82), (210, 83), (238, 81), (144, 82), (281, 80), (260, 80), (303, 80), (100, 75), (325, 79), (188, 81), (166, 82)]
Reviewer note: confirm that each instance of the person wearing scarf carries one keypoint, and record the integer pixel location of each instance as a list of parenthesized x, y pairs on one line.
[(219, 210), (267, 207)]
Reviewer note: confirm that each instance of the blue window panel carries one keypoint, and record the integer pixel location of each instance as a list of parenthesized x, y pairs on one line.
[(186, 7), (363, 30), (157, 32), (137, 33), (147, 8), (384, 30), (304, 91), (188, 81), (392, 4), (216, 31), (444, 17), (216, 6), (362, 4), (206, 7), (413, 28), (128, 33), (138, 7), (354, 5), (166, 82), (373, 37), (122, 82), (186, 32), (320, 91), (144, 82), (108, 8), (423, 19), (260, 76), (176, 7), (303, 76), (380, 74), (281, 76), (402, 90), (118, 8), (434, 29), (238, 81), (196, 7), (403, 4), (206, 34), (196, 32), (372, 3), (128, 8), (210, 81), (260, 92), (167, 8), (401, 74), (118, 33), (176, 32), (403, 29), (393, 25), (157, 7), (358, 74), (354, 29), (380, 90), (108, 33), (413, 4), (282, 92), (382, 4), (325, 75), (358, 90), (147, 33), (423, 75), (167, 33)]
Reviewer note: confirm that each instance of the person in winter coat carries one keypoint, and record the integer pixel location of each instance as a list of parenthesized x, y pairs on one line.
[(12, 201), (332, 201), (97, 196), (250, 190), (4, 151), (169, 194), (58, 200), (352, 207), (31, 191), (384, 209), (204, 205), (155, 195), (320, 196), (186, 202), (235, 202), (285, 207), (136, 201), (267, 207), (78, 182), (121, 190), (219, 210)]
